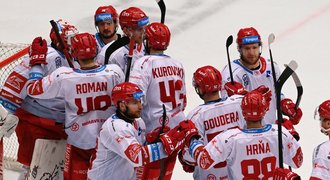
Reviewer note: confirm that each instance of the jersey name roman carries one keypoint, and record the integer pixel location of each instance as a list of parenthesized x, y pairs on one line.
[(167, 71), (221, 120), (91, 87), (259, 148)]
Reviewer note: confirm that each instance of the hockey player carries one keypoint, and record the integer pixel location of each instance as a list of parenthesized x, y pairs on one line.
[(106, 25), (213, 117), (120, 148), (252, 70), (86, 94), (321, 159), (162, 79), (251, 153), (38, 119), (132, 22)]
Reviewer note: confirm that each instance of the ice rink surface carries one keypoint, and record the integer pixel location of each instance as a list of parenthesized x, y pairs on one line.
[(199, 32)]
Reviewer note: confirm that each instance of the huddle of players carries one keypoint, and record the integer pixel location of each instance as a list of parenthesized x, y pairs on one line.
[(117, 129)]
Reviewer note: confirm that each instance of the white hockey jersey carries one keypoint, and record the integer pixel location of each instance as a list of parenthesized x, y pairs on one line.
[(250, 153), (162, 79), (120, 150), (13, 91), (119, 56), (251, 79), (210, 120), (86, 94), (321, 161)]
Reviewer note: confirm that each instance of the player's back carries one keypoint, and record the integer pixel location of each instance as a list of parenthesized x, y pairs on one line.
[(86, 94), (163, 81)]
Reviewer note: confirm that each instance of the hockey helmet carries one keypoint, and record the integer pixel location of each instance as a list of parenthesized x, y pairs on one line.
[(207, 79), (323, 111), (158, 36), (104, 13), (248, 36), (126, 91), (83, 46), (254, 106), (133, 17)]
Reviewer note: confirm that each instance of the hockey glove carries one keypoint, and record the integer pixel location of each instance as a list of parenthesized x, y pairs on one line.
[(188, 167), (173, 140), (265, 91), (191, 132), (289, 109), (285, 174), (8, 122), (153, 136), (289, 126), (38, 51), (235, 88)]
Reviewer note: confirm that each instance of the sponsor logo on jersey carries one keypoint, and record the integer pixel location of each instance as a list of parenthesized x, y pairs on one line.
[(15, 82), (211, 177), (268, 73), (166, 120), (205, 161), (74, 127), (12, 98), (320, 166), (58, 62)]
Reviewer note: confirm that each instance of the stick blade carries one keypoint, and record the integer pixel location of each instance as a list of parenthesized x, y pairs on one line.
[(293, 65), (271, 39), (229, 41)]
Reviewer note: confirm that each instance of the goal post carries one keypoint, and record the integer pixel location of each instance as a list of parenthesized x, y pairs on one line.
[(10, 56)]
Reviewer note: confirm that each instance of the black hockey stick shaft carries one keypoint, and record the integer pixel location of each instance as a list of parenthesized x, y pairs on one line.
[(129, 58), (162, 8), (292, 66), (229, 41), (299, 87), (60, 41), (162, 162)]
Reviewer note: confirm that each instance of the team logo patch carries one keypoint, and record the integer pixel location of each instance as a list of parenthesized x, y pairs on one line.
[(245, 79), (268, 73), (211, 177), (75, 127), (205, 160), (58, 62), (132, 152), (166, 120), (15, 82)]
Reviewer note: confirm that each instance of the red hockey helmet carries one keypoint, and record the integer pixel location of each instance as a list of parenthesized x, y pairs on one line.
[(248, 36), (254, 106), (83, 46), (323, 111), (126, 91), (104, 13), (66, 31), (207, 79), (158, 36), (133, 17)]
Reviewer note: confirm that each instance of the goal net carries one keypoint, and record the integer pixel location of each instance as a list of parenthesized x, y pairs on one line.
[(10, 56)]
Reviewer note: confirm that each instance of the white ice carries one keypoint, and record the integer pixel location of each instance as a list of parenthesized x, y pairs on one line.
[(199, 32)]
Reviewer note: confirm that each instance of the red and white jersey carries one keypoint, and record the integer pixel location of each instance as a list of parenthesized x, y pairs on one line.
[(120, 150), (211, 119), (119, 56), (321, 161), (86, 94), (162, 79), (250, 153), (251, 79), (13, 91)]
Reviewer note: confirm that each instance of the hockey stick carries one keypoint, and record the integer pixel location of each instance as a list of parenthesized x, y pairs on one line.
[(60, 41), (129, 58), (271, 39), (291, 67), (162, 163), (14, 57), (120, 42), (162, 8), (229, 41), (298, 86)]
